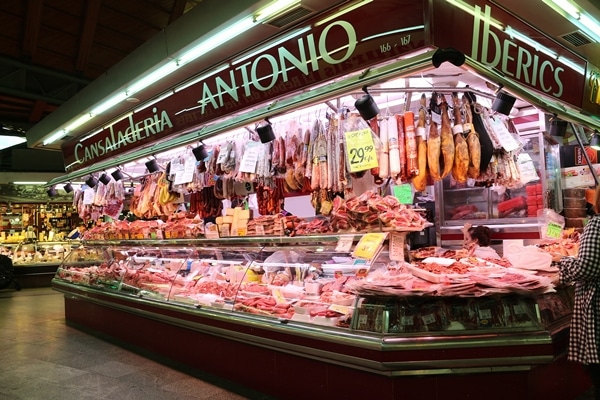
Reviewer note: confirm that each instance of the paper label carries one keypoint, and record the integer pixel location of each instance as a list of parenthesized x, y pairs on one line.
[(397, 241), (344, 244), (250, 158), (554, 230), (485, 314), (341, 309), (360, 150), (527, 170), (369, 245), (407, 320), (506, 139), (428, 319), (404, 193)]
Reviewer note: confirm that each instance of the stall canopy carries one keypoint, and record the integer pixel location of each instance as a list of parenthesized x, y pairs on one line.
[(465, 45)]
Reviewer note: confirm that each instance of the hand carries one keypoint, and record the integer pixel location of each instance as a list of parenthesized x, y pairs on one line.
[(556, 257), (466, 227)]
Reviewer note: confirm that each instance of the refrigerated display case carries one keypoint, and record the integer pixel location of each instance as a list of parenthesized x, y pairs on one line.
[(35, 263), (511, 213), (287, 302)]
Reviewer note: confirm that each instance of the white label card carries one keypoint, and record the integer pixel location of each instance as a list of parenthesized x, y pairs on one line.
[(344, 244), (250, 157)]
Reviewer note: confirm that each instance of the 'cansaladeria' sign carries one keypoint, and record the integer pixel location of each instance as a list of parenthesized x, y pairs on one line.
[(330, 47)]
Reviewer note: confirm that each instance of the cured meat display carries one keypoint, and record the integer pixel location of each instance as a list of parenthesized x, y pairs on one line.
[(314, 287)]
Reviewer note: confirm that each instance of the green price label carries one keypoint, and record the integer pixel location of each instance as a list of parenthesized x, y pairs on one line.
[(360, 150), (404, 193), (554, 230)]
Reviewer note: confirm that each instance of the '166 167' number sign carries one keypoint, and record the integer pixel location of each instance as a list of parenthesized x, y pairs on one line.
[(360, 150)]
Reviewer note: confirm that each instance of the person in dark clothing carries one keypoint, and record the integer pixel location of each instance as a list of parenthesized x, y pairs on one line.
[(584, 272)]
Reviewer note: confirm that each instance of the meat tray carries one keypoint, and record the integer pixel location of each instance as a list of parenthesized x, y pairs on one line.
[(430, 276)]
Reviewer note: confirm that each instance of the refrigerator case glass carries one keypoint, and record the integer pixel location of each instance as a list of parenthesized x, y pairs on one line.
[(302, 283), (497, 204)]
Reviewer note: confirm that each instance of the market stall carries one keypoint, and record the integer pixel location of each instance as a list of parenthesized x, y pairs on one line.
[(359, 115)]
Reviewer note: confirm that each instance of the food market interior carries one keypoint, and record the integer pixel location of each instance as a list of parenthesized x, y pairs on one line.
[(316, 219)]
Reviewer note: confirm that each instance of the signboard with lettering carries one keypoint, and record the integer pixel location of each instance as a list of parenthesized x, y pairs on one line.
[(334, 45), (501, 41)]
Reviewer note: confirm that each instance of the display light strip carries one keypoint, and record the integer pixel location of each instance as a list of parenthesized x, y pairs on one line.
[(577, 16), (204, 46)]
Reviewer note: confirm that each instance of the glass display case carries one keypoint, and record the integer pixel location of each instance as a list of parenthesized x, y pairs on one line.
[(299, 280), (34, 253), (511, 211)]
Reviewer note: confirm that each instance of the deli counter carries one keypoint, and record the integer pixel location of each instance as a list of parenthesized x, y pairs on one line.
[(218, 306), (35, 263)]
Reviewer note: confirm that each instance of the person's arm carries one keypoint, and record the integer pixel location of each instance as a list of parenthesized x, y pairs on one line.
[(586, 266)]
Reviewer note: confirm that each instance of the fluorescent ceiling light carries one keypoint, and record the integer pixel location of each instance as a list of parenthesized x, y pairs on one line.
[(344, 10), (526, 39), (151, 78), (273, 9), (471, 10), (204, 46), (577, 16), (9, 141), (216, 40), (78, 122), (29, 183), (112, 101), (55, 136)]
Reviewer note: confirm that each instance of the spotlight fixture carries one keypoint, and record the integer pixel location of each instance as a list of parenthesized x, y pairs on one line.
[(449, 54), (68, 187), (595, 141), (503, 103), (117, 175), (152, 165), (558, 127), (91, 181), (366, 105), (200, 152), (265, 132), (104, 178), (52, 192)]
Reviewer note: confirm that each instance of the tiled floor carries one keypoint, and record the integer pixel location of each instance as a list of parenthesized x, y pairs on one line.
[(43, 358)]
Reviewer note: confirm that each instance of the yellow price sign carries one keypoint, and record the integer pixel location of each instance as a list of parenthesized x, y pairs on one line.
[(369, 245), (360, 150)]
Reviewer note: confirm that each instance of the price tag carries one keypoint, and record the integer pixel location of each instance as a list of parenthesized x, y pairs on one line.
[(369, 245), (360, 150), (404, 193), (250, 157), (260, 230), (279, 298), (506, 139), (344, 244), (341, 309), (554, 230), (397, 241)]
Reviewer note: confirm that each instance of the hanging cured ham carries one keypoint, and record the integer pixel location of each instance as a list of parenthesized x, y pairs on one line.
[(473, 144), (486, 145), (461, 148), (447, 140), (434, 143)]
